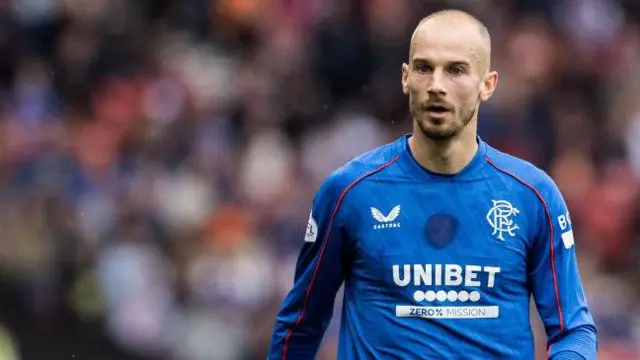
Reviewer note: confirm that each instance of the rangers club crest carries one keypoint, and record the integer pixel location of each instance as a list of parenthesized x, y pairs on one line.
[(500, 217)]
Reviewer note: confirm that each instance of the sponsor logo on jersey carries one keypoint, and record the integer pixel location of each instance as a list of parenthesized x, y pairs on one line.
[(448, 312), (446, 289), (386, 221), (564, 221)]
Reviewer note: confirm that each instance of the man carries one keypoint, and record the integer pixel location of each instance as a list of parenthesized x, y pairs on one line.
[(439, 238)]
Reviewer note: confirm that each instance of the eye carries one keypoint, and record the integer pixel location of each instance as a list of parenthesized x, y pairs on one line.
[(422, 68), (456, 70)]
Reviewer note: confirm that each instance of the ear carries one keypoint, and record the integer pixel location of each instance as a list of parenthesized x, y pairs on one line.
[(489, 85), (405, 79)]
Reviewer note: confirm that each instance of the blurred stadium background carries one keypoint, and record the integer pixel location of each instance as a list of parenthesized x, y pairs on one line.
[(158, 157)]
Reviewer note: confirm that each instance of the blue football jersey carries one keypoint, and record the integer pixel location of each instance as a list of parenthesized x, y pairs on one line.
[(436, 266)]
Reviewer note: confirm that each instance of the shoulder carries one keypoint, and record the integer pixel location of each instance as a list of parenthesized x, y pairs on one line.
[(363, 166), (523, 173)]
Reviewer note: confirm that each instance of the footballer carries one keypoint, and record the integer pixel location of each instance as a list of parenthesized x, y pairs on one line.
[(439, 239)]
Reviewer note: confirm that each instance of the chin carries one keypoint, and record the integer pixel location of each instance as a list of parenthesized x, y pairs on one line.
[(440, 135), (437, 130)]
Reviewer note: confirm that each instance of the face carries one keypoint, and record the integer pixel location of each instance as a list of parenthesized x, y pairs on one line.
[(446, 79)]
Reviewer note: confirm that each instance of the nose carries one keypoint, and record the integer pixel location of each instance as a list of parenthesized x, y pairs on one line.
[(436, 84)]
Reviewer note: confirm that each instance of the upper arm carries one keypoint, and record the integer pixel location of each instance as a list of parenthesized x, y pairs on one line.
[(553, 266), (320, 270), (321, 258)]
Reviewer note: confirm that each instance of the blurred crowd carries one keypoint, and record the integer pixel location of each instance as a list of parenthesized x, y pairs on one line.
[(158, 157)]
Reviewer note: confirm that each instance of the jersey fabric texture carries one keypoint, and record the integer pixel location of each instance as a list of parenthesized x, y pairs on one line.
[(436, 266)]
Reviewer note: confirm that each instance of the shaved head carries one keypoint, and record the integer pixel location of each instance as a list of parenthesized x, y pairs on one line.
[(463, 24), (448, 74)]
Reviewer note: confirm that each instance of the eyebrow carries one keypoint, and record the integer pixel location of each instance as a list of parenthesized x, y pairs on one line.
[(450, 63)]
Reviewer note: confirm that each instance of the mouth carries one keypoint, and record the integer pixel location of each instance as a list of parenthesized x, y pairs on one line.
[(437, 110)]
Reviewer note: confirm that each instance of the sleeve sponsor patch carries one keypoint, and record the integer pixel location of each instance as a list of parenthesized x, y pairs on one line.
[(567, 239), (312, 230)]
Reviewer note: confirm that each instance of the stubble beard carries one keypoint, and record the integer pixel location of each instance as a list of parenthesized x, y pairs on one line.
[(441, 132)]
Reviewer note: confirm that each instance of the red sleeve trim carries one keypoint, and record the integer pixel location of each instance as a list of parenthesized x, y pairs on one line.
[(551, 237), (324, 245)]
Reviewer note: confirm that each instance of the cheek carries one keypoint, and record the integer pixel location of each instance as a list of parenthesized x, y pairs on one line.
[(415, 91), (467, 92), (417, 82)]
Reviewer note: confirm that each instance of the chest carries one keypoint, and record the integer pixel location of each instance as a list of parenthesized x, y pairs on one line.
[(443, 236)]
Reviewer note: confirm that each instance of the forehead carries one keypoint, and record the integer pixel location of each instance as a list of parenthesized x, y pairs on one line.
[(455, 42)]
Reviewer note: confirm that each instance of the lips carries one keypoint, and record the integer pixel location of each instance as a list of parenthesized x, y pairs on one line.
[(436, 109)]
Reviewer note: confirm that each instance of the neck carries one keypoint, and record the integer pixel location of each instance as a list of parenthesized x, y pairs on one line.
[(444, 156)]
